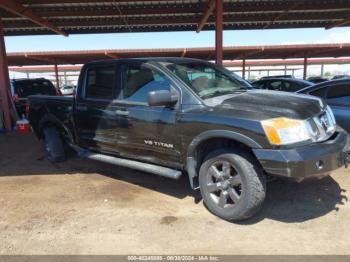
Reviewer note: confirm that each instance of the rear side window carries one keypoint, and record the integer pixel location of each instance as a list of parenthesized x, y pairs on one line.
[(139, 80), (101, 82), (338, 91)]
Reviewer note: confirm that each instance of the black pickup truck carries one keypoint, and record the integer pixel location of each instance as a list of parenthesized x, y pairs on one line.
[(175, 116)]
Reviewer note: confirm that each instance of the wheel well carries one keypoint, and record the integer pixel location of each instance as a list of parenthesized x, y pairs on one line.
[(207, 146), (51, 123)]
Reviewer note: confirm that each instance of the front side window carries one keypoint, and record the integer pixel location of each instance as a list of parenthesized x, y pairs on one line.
[(139, 80), (206, 80), (101, 82)]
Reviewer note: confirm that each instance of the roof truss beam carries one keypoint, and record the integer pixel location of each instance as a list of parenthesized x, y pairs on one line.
[(343, 22), (18, 9), (208, 11), (282, 14)]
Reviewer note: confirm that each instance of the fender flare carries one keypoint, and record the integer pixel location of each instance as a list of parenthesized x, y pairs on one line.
[(191, 163), (48, 118)]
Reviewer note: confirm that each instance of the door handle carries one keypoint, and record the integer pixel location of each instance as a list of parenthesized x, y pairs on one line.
[(122, 112)]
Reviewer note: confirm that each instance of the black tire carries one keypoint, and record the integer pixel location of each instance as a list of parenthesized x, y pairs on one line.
[(238, 191), (53, 145)]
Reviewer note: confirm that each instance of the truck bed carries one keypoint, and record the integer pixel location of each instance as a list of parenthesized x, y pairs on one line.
[(60, 108)]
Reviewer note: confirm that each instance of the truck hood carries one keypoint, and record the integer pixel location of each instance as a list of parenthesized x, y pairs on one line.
[(262, 104)]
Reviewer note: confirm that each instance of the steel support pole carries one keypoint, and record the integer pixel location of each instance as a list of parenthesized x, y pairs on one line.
[(322, 70), (65, 78), (305, 67), (57, 78), (219, 32), (243, 67), (4, 81)]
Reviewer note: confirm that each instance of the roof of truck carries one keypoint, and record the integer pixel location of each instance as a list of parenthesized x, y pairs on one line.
[(148, 59)]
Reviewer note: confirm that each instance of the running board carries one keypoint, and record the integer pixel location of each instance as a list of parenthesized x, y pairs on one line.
[(132, 164)]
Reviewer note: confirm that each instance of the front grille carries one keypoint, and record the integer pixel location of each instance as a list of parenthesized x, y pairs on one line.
[(323, 125)]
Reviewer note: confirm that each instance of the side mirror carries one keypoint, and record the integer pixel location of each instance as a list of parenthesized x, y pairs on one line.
[(161, 98)]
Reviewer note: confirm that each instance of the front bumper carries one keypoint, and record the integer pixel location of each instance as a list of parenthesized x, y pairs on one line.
[(312, 160)]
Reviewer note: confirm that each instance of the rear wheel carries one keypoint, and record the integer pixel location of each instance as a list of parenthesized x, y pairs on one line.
[(53, 144), (232, 184)]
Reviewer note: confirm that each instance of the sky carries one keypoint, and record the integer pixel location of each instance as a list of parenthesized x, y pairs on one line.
[(175, 39)]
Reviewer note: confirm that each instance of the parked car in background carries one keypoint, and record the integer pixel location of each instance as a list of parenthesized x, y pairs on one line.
[(68, 90), (281, 84), (341, 77), (22, 88), (276, 76), (317, 79), (337, 94)]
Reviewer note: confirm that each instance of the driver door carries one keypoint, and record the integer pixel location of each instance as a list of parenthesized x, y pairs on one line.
[(148, 133)]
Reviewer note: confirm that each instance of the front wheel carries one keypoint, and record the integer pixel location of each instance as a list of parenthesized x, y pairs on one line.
[(232, 184)]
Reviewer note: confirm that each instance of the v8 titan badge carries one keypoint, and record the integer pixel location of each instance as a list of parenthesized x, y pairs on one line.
[(159, 144)]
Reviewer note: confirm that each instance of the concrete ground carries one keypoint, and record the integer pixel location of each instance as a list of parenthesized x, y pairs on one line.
[(85, 207)]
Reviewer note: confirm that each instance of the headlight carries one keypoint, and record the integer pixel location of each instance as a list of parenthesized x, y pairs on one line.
[(285, 131)]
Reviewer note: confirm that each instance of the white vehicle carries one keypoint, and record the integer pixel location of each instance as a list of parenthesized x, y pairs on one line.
[(68, 90)]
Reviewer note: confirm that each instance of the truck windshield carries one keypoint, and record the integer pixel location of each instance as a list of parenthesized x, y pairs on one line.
[(207, 80)]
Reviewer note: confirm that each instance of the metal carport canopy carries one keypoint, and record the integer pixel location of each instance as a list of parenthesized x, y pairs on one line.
[(229, 53), (88, 16), (37, 17)]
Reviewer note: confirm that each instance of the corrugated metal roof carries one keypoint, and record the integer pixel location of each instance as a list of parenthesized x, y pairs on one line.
[(87, 16)]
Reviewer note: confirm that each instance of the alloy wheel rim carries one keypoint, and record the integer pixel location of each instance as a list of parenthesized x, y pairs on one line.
[(224, 184)]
